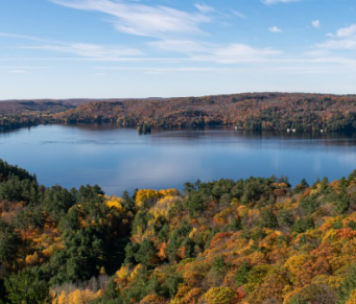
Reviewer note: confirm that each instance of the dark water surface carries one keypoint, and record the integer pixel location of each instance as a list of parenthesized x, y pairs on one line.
[(119, 159)]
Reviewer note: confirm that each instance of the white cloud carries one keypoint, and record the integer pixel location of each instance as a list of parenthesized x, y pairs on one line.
[(89, 50), (343, 44), (275, 29), (80, 49), (143, 20), (317, 53), (278, 1), (237, 53), (316, 23), (181, 46), (238, 14), (101, 59), (344, 39), (204, 8), (200, 51), (161, 70), (27, 37), (18, 72), (24, 68), (346, 31)]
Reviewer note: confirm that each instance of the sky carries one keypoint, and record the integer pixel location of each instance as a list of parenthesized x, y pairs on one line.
[(167, 48)]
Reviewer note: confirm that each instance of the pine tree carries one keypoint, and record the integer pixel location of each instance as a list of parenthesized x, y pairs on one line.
[(242, 274), (348, 285)]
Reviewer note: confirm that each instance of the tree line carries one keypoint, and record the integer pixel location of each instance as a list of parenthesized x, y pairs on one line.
[(249, 111)]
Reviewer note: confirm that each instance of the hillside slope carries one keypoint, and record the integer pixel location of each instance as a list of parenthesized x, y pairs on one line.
[(248, 241), (263, 111), (250, 111)]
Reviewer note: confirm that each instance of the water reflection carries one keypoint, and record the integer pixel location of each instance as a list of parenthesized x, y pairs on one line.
[(119, 159)]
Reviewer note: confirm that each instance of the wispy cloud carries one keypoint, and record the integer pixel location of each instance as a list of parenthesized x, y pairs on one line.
[(89, 50), (80, 49), (162, 70), (200, 51), (316, 23), (344, 39), (27, 37), (238, 14), (204, 8), (144, 20), (100, 59), (237, 53), (24, 67), (17, 72), (341, 44), (268, 2), (275, 29), (188, 47)]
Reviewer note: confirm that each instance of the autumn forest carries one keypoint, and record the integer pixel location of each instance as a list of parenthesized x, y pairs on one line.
[(256, 241), (177, 152), (250, 111)]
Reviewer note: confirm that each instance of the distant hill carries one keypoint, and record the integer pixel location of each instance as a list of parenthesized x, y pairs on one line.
[(252, 111), (46, 106), (256, 111)]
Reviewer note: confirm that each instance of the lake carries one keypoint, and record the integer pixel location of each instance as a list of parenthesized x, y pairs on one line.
[(117, 159)]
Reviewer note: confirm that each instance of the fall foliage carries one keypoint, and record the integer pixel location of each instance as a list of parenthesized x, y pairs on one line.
[(250, 241), (249, 111)]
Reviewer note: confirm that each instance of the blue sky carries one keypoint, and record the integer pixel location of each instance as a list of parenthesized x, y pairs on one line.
[(151, 48)]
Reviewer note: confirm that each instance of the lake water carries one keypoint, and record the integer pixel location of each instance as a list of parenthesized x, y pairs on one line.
[(118, 159)]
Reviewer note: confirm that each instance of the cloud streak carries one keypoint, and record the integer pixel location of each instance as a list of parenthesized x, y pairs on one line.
[(143, 20), (80, 49), (89, 50), (204, 8), (201, 51), (238, 14), (270, 2), (17, 72)]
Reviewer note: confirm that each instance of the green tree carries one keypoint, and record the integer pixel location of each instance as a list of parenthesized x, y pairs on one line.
[(268, 219), (303, 225), (145, 255), (242, 274), (26, 287), (348, 285), (8, 244), (285, 218)]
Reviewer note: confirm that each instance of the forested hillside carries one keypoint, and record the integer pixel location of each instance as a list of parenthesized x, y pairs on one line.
[(264, 111), (22, 113), (254, 241), (250, 111)]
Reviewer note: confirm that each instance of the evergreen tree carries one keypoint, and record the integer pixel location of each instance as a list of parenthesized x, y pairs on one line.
[(242, 274), (26, 287), (348, 285)]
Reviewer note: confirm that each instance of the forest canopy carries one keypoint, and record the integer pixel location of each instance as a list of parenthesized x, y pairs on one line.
[(250, 241)]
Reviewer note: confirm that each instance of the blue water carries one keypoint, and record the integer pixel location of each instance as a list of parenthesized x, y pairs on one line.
[(118, 159)]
